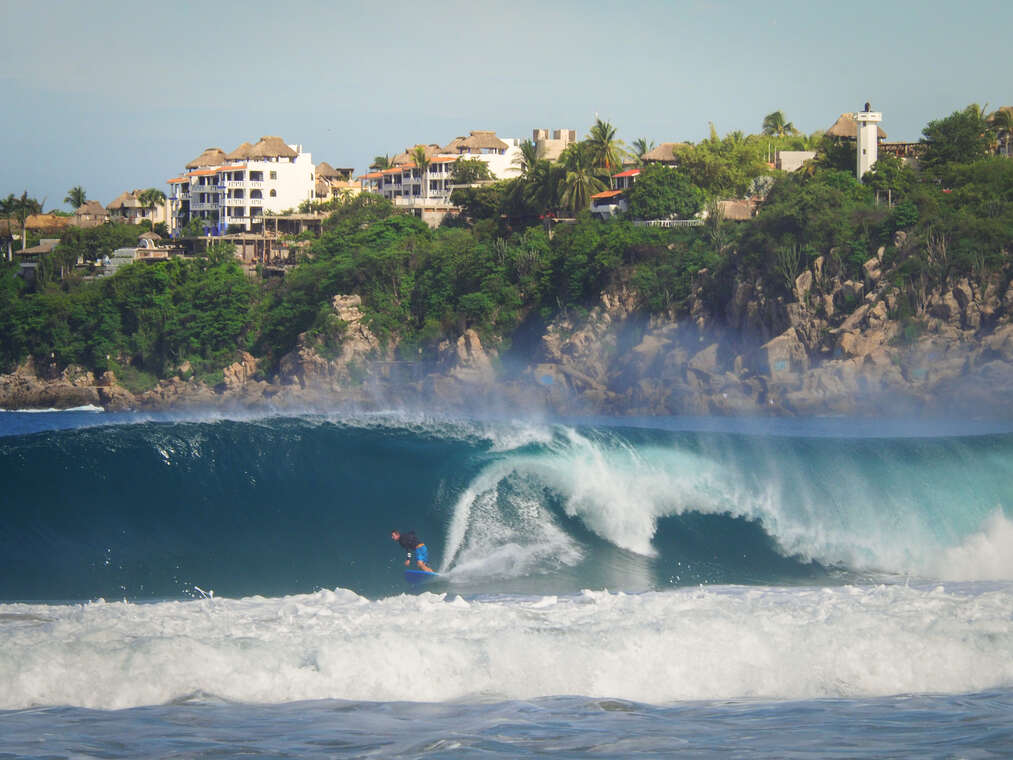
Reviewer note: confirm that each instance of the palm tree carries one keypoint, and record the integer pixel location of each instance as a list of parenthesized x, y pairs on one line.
[(541, 187), (381, 162), (1002, 123), (579, 182), (603, 147), (23, 208), (149, 199), (642, 146), (776, 125), (7, 210), (422, 162), (527, 159), (76, 197)]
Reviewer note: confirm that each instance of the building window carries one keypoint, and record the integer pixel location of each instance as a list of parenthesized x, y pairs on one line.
[(274, 175), (274, 193)]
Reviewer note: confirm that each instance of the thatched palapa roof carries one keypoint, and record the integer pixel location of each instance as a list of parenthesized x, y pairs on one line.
[(271, 146), (406, 157), (454, 145), (92, 208), (127, 199), (846, 127), (326, 171), (481, 139), (664, 153), (241, 153), (210, 157)]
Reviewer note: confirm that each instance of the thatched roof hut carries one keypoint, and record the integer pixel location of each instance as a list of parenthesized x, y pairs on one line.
[(846, 127), (406, 157), (481, 140), (326, 171), (38, 223), (241, 153), (663, 154), (210, 157), (454, 145), (271, 146), (127, 199)]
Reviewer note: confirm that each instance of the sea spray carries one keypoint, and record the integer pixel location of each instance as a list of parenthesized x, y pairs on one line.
[(690, 644)]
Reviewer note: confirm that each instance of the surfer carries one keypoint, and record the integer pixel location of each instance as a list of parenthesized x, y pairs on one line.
[(410, 543)]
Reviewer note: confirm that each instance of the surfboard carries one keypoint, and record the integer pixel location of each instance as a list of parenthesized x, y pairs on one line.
[(419, 576)]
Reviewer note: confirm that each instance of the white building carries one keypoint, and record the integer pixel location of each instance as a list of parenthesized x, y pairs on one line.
[(236, 189), (406, 186), (608, 203), (868, 142)]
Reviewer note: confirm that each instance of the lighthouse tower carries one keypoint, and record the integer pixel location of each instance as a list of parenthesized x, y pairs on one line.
[(867, 122)]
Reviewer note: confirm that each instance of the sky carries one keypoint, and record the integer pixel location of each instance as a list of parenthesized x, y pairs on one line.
[(116, 96)]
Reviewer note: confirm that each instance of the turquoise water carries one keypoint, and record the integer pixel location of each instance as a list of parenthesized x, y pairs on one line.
[(193, 586)]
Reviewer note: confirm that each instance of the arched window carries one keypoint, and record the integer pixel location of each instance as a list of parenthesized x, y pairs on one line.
[(274, 193)]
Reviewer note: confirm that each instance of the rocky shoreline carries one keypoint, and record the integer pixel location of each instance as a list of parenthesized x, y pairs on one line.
[(836, 347)]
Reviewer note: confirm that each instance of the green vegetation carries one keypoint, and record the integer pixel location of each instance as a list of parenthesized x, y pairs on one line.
[(508, 261)]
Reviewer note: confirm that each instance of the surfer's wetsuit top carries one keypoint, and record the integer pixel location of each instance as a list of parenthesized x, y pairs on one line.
[(410, 543)]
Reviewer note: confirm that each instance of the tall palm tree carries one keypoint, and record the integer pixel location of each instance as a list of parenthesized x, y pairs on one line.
[(642, 146), (776, 125), (527, 159), (23, 208), (541, 186), (422, 162), (381, 162), (579, 183), (603, 147), (76, 197), (151, 198)]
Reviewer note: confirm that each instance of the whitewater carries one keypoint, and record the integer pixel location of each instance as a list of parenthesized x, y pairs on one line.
[(182, 586)]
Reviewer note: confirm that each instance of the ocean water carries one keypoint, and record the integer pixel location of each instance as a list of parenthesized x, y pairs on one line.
[(212, 586)]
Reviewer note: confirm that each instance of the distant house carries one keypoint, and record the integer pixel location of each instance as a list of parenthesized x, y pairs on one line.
[(128, 208), (608, 203), (90, 214), (792, 160), (331, 183), (28, 259)]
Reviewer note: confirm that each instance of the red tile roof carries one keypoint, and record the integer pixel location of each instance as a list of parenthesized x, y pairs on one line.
[(607, 194), (628, 173)]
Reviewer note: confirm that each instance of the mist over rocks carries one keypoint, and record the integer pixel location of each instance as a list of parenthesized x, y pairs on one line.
[(838, 348)]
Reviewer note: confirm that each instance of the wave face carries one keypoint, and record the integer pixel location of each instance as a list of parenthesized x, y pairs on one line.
[(275, 507)]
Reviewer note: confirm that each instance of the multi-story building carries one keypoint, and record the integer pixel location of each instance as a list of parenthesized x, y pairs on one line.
[(405, 185), (234, 190)]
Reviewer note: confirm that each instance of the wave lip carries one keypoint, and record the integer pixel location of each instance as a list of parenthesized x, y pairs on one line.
[(657, 647)]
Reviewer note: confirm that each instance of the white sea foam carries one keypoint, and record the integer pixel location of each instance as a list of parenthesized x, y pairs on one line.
[(986, 555), (658, 647)]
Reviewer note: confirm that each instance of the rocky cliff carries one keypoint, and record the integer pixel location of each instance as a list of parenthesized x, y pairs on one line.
[(831, 346)]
